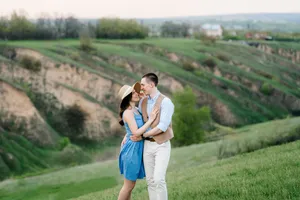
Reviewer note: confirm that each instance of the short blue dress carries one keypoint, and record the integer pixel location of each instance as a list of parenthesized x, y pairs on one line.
[(131, 154)]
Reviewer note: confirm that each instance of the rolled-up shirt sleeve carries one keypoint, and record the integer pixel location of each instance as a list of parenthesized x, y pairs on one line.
[(167, 110)]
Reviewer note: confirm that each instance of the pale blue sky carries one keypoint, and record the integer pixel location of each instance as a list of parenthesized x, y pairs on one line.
[(147, 8)]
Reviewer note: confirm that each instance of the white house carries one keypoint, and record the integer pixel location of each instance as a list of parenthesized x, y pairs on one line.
[(213, 30)]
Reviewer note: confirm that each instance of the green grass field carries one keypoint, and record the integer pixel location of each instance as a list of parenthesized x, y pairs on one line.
[(195, 172), (272, 173)]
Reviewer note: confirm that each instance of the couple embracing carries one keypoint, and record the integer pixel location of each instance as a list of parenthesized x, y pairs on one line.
[(145, 151)]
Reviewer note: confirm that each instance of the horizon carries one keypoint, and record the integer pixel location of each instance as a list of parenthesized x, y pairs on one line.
[(90, 9), (209, 15), (51, 15)]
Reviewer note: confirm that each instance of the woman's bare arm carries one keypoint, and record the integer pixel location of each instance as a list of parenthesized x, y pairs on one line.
[(130, 120)]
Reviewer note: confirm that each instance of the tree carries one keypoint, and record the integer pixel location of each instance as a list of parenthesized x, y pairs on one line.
[(72, 27), (115, 28), (59, 24), (188, 120), (91, 30), (44, 28), (185, 29), (207, 40), (170, 29), (85, 40), (4, 28), (20, 27)]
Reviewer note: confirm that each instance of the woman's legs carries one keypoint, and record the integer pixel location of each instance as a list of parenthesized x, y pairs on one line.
[(125, 192)]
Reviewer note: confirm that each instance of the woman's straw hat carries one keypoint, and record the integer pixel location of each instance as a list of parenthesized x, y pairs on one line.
[(126, 90)]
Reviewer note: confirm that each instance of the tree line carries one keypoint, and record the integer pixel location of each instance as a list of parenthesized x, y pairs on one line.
[(18, 26), (171, 29)]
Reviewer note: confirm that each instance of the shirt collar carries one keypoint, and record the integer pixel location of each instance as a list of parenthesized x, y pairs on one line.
[(155, 96)]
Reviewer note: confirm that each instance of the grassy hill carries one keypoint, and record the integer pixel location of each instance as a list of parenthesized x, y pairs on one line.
[(58, 83), (241, 77), (195, 172)]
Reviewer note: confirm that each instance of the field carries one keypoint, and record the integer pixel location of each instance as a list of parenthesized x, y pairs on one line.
[(253, 96), (195, 172)]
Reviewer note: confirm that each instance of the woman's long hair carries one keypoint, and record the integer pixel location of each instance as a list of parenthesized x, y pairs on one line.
[(124, 105)]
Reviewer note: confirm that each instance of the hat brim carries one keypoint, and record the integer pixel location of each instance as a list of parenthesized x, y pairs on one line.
[(136, 87)]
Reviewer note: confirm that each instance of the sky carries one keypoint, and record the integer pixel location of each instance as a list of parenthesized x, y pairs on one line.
[(147, 8)]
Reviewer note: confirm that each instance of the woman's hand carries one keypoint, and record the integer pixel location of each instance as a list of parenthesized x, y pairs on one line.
[(153, 114), (135, 138), (142, 94), (123, 141)]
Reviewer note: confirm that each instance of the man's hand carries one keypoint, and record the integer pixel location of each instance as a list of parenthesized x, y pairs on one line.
[(135, 138), (152, 132)]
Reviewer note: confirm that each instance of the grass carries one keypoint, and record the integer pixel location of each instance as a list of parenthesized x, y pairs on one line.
[(284, 45), (15, 85), (181, 75), (249, 106), (197, 166), (25, 157), (272, 173), (187, 47), (43, 47), (188, 165), (2, 58), (63, 191)]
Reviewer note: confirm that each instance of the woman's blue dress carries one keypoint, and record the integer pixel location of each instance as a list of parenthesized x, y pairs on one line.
[(131, 154)]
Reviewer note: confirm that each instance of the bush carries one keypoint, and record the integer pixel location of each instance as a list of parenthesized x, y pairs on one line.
[(75, 56), (12, 123), (223, 57), (63, 142), (207, 40), (266, 89), (8, 52), (72, 155), (219, 133), (199, 73), (188, 120), (75, 118), (31, 64), (67, 121), (188, 66), (85, 41), (210, 62)]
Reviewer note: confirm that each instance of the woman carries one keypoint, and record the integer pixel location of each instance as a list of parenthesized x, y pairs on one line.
[(131, 154)]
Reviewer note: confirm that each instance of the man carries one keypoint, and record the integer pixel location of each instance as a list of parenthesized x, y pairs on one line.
[(157, 146)]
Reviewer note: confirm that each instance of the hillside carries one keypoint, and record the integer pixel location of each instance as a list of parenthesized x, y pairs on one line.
[(53, 90), (201, 171), (267, 174)]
